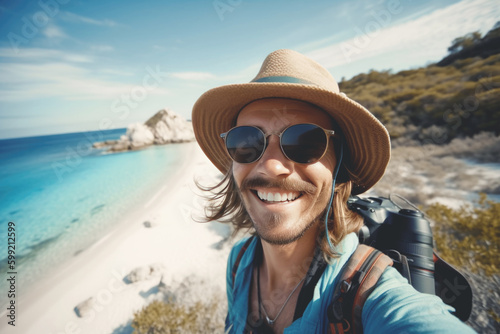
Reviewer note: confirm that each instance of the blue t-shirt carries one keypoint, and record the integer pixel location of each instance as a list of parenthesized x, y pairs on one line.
[(394, 306)]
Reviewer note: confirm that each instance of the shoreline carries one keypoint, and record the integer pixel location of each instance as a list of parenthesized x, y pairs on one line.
[(36, 266), (99, 270)]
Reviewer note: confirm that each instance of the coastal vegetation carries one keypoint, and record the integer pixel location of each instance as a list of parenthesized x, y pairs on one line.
[(468, 237), (191, 306), (170, 317), (439, 102)]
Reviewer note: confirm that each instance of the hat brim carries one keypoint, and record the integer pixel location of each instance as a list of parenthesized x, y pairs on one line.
[(367, 139)]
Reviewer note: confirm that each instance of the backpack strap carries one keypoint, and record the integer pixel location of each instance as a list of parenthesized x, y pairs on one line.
[(357, 280), (238, 258), (400, 262)]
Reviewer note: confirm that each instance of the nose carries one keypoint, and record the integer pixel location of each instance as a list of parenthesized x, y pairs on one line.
[(273, 163)]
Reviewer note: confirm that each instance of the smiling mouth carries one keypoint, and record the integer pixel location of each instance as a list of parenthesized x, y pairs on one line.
[(276, 197)]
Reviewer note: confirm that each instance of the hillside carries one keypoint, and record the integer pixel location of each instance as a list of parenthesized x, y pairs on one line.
[(435, 104), (472, 45)]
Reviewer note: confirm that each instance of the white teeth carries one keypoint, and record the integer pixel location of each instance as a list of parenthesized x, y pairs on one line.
[(276, 197)]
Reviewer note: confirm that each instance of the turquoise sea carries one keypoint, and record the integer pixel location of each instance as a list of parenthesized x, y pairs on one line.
[(63, 195)]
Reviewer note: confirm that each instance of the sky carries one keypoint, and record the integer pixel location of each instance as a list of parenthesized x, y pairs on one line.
[(71, 65)]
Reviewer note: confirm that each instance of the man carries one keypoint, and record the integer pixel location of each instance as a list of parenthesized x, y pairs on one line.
[(283, 142)]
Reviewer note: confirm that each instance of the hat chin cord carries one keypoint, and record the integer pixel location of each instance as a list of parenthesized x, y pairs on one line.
[(336, 172)]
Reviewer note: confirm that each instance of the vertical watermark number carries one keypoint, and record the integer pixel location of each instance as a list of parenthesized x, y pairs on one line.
[(11, 273)]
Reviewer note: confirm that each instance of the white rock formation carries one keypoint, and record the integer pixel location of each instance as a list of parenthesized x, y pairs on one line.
[(168, 127), (139, 135), (163, 128)]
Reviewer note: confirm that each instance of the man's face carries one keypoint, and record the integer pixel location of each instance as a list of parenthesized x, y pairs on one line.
[(307, 187)]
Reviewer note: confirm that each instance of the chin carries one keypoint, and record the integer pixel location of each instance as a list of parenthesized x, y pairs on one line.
[(275, 233)]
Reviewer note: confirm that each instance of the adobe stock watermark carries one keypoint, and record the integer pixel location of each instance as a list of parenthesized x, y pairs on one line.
[(103, 298), (121, 108), (127, 102), (371, 29), (32, 24), (223, 6), (282, 118), (452, 290), (454, 116)]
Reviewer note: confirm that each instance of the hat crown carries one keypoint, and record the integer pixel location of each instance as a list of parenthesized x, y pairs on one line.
[(291, 64)]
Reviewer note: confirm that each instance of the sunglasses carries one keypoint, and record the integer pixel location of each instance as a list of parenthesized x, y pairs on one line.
[(300, 143)]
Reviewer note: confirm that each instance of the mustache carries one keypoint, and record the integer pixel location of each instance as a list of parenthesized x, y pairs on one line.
[(285, 184)]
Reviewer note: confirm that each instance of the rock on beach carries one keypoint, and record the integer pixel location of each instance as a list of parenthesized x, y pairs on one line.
[(145, 273), (163, 128), (85, 308)]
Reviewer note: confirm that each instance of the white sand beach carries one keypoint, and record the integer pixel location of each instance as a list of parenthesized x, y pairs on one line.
[(175, 242)]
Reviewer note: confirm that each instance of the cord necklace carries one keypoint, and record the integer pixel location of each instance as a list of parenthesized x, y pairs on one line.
[(269, 320)]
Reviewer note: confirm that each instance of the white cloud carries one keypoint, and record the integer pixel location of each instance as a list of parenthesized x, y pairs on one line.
[(370, 5), (71, 17), (425, 38), (37, 73), (21, 82), (41, 55), (194, 76), (117, 72), (102, 48), (52, 31)]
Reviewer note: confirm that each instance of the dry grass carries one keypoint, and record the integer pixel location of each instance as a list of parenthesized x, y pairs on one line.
[(469, 236), (422, 173), (190, 306)]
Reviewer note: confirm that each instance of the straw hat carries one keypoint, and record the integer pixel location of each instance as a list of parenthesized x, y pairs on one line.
[(289, 74)]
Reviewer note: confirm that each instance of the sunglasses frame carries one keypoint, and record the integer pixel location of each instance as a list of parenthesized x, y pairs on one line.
[(328, 134)]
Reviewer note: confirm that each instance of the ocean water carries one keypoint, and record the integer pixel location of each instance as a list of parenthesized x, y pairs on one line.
[(63, 195)]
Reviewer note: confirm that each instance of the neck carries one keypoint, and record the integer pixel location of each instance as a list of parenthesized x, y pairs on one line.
[(286, 265)]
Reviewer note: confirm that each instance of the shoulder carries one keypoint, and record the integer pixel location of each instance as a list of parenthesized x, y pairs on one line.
[(240, 248), (238, 278), (395, 306), (241, 257)]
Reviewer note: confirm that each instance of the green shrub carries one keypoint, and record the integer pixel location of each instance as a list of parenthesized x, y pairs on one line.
[(171, 317), (469, 236), (463, 96)]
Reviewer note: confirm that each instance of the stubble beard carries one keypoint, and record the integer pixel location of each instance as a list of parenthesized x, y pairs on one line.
[(272, 220), (281, 239)]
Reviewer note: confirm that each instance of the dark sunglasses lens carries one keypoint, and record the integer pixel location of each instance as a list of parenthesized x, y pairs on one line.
[(304, 143), (245, 144)]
